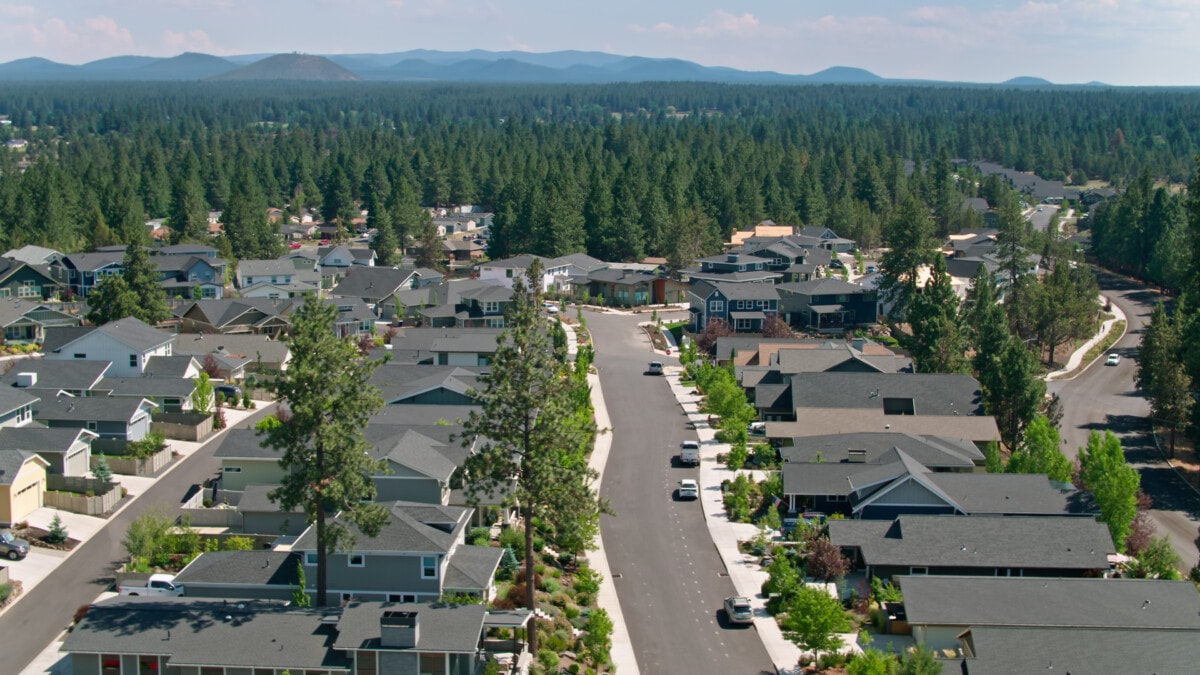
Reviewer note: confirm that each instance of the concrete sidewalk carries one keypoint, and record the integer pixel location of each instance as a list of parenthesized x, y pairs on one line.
[(1077, 356), (745, 572)]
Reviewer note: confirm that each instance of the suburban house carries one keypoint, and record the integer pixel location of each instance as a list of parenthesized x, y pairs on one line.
[(67, 452), (245, 461), (338, 258), (405, 384), (34, 255), (244, 315), (766, 229), (80, 272), (463, 250), (938, 453), (184, 275), (826, 305), (376, 286), (624, 287), (731, 268), (1072, 650), (16, 407), (354, 318), (828, 238), (50, 377), (899, 485), (22, 484), (177, 365), (939, 608), (236, 355), (791, 260), (420, 461), (109, 417), (172, 394), (25, 321), (556, 272), (361, 637), (21, 280), (1019, 546), (445, 347), (127, 343), (745, 307), (282, 272)]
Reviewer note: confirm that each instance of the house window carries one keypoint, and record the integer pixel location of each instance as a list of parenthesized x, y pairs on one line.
[(91, 426), (408, 597), (716, 306), (918, 571), (835, 498), (495, 323), (491, 307), (428, 567), (77, 355), (232, 469), (4, 293), (310, 559), (356, 560), (744, 324), (508, 273), (29, 289), (133, 361)]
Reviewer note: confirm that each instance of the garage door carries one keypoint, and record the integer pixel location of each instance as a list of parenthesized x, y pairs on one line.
[(27, 499)]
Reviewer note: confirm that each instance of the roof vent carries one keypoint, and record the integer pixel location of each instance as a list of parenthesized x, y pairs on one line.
[(26, 379), (856, 456)]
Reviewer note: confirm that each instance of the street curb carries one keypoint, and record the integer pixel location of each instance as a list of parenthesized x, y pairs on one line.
[(130, 502), (1081, 368)]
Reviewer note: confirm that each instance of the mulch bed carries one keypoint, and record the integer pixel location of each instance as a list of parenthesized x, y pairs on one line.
[(36, 536)]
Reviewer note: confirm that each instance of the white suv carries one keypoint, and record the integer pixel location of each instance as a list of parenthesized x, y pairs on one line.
[(689, 489)]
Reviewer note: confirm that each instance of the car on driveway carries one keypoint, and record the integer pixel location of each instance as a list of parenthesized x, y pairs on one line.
[(689, 489), (1113, 360), (294, 245), (738, 610), (13, 548), (230, 392)]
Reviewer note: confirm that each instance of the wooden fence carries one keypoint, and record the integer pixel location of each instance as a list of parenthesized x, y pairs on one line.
[(75, 494), (182, 426)]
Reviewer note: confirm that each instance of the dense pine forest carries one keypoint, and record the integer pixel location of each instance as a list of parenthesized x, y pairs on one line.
[(619, 171)]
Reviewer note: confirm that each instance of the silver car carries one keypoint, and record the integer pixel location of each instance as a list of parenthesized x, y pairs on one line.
[(739, 611)]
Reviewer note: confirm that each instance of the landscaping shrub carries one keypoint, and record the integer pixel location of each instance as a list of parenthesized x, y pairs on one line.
[(238, 544), (508, 565), (57, 533), (514, 539), (560, 600), (587, 580), (551, 586), (547, 658), (479, 536)]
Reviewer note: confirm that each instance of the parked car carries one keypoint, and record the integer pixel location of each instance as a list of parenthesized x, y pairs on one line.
[(739, 611), (689, 453), (756, 429), (229, 391), (294, 245), (689, 489), (157, 584), (11, 547), (1113, 360), (654, 368)]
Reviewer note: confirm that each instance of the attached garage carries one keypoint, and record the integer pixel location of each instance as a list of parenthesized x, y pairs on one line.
[(22, 484)]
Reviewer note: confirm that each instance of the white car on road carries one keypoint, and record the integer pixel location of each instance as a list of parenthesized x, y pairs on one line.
[(689, 489)]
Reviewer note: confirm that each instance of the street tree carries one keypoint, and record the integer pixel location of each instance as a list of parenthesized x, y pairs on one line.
[(326, 461), (1039, 452), (202, 394), (536, 439), (1113, 483), (814, 618)]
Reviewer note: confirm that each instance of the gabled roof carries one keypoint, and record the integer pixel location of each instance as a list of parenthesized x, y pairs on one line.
[(176, 365), (181, 263), (12, 399), (224, 312), (12, 461), (826, 286), (1028, 542), (33, 255), (256, 268), (242, 443), (146, 387), (90, 262), (517, 262), (56, 374), (90, 408), (583, 261), (411, 528), (233, 349), (36, 438), (1003, 651), (372, 283), (1063, 602), (931, 451), (472, 567), (735, 291), (130, 331), (14, 310), (417, 452), (932, 393), (398, 382)]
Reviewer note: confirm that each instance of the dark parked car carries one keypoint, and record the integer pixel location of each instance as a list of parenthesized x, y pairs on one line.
[(229, 391), (11, 547)]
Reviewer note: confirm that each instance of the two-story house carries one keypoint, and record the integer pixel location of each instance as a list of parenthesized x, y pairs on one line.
[(127, 343), (376, 286), (733, 267), (23, 281), (828, 238), (80, 272), (244, 315), (183, 275), (743, 306), (827, 305)]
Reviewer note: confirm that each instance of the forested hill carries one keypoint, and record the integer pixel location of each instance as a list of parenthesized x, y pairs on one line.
[(620, 171)]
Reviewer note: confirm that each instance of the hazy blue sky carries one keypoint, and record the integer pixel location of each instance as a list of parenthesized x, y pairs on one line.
[(1152, 42)]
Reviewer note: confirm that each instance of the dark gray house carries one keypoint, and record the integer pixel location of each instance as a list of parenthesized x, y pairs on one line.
[(745, 306), (827, 305), (109, 417), (1020, 546)]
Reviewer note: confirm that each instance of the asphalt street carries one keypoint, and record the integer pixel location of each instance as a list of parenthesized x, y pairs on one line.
[(669, 578), (47, 609), (1106, 398)]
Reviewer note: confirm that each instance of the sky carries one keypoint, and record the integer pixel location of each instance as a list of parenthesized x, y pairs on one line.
[(1120, 42)]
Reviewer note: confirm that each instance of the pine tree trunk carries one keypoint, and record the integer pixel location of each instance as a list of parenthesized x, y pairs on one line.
[(530, 582), (1172, 441), (322, 562)]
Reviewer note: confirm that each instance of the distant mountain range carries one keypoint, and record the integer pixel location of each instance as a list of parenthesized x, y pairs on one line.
[(423, 65)]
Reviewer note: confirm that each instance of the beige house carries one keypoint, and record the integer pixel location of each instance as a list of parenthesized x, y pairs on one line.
[(22, 484)]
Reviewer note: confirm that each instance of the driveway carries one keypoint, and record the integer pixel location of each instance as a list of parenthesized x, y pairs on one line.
[(1105, 397), (46, 610), (669, 578)]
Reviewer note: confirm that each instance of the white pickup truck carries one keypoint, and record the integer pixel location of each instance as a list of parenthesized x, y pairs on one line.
[(689, 453), (157, 584)]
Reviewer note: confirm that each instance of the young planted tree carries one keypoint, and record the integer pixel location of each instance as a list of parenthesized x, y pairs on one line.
[(202, 394), (1038, 452), (536, 439), (326, 463), (814, 618), (1113, 483)]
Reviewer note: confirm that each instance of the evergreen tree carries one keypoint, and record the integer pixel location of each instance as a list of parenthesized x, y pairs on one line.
[(102, 235), (251, 236), (326, 459), (1039, 452), (909, 236), (188, 217), (1013, 391), (384, 242), (937, 341), (537, 442), (109, 300), (141, 277), (429, 247)]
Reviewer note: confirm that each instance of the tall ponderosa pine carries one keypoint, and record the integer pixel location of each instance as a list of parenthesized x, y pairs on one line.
[(141, 276), (188, 217), (937, 341), (326, 461), (909, 236), (250, 234), (429, 252), (1013, 391), (536, 439)]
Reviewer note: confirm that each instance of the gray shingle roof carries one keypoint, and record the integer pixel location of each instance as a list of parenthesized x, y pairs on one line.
[(443, 627), (471, 567), (35, 438), (1048, 542), (58, 336), (129, 331), (169, 366), (827, 286), (59, 374), (932, 393), (413, 450), (932, 451), (146, 387), (241, 568), (258, 268), (1030, 601), (89, 262), (411, 414), (372, 283), (244, 444), (12, 399), (11, 462), (201, 635), (410, 528), (1003, 651), (88, 408)]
